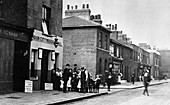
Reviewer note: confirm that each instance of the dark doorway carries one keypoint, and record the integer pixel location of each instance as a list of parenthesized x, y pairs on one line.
[(21, 65), (44, 68)]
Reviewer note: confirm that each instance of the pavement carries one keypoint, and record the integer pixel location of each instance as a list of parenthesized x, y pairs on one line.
[(58, 97)]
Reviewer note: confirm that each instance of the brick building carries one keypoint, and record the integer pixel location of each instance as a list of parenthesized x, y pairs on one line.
[(121, 59), (45, 16), (155, 59), (32, 30), (165, 62), (15, 39), (141, 59), (86, 43)]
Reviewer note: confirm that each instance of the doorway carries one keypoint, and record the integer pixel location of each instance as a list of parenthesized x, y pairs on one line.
[(21, 65), (44, 69)]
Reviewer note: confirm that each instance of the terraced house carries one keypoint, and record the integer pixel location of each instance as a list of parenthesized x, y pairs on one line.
[(86, 41)]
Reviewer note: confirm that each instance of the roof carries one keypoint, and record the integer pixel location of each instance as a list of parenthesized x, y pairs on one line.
[(121, 43), (153, 51), (74, 21)]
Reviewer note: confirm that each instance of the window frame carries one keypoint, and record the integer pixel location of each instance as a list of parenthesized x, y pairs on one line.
[(46, 15)]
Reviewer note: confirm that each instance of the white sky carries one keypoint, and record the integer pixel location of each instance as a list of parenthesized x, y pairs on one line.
[(146, 21)]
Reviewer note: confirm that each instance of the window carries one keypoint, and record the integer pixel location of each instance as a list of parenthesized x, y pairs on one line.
[(100, 66), (100, 39), (106, 42), (117, 51), (1, 9), (46, 12), (131, 55), (105, 65), (112, 50)]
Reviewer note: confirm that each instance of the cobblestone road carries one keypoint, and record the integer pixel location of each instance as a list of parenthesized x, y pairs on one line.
[(159, 95)]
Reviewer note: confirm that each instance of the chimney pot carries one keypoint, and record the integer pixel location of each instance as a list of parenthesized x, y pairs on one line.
[(99, 16), (68, 7), (113, 27), (96, 16), (91, 17), (87, 6), (72, 7), (83, 6), (76, 6)]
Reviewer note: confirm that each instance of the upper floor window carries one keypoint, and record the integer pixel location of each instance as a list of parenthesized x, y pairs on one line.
[(100, 39), (1, 9), (117, 52), (131, 54), (46, 12), (106, 42), (112, 50)]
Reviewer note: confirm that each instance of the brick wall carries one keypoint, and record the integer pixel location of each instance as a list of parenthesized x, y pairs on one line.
[(35, 15), (80, 48), (15, 12)]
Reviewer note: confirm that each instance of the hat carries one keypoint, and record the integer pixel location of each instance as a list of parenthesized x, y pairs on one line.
[(75, 64), (82, 68), (67, 64)]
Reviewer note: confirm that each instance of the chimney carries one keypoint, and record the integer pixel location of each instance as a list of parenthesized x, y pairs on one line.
[(76, 6), (115, 27), (108, 26), (68, 7), (87, 6), (83, 6), (82, 13), (97, 19)]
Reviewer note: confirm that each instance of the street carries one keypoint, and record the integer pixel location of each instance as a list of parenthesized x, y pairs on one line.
[(159, 95)]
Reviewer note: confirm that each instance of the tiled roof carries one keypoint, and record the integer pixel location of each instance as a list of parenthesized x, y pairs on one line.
[(80, 22)]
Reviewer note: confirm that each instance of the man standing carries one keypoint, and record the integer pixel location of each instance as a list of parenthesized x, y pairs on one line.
[(66, 74), (83, 80), (146, 80), (74, 81)]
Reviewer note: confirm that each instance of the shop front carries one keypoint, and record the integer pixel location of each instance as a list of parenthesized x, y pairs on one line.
[(46, 54), (14, 56)]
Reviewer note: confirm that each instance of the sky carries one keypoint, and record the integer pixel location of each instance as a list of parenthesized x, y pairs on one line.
[(145, 21)]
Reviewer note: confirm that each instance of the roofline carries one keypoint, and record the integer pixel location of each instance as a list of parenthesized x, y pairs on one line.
[(87, 27), (116, 41)]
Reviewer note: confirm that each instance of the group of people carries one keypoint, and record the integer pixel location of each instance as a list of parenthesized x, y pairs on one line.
[(75, 79)]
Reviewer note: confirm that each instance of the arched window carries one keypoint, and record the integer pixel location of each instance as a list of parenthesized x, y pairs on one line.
[(105, 64)]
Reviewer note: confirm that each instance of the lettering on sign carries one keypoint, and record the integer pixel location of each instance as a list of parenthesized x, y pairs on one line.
[(45, 40), (28, 86)]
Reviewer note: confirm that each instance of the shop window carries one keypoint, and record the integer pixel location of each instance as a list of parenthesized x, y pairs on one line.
[(46, 12)]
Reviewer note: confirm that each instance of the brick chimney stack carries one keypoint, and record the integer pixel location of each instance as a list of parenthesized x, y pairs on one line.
[(97, 19), (82, 13)]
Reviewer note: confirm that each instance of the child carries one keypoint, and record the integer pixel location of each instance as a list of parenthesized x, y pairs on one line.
[(91, 84), (97, 83), (61, 85), (69, 84)]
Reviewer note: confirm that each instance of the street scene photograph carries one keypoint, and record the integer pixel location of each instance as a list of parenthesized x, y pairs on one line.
[(84, 52)]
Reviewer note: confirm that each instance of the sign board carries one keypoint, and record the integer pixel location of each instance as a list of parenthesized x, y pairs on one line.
[(48, 86), (28, 86)]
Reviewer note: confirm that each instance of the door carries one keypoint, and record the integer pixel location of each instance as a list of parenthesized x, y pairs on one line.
[(44, 69), (21, 65)]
